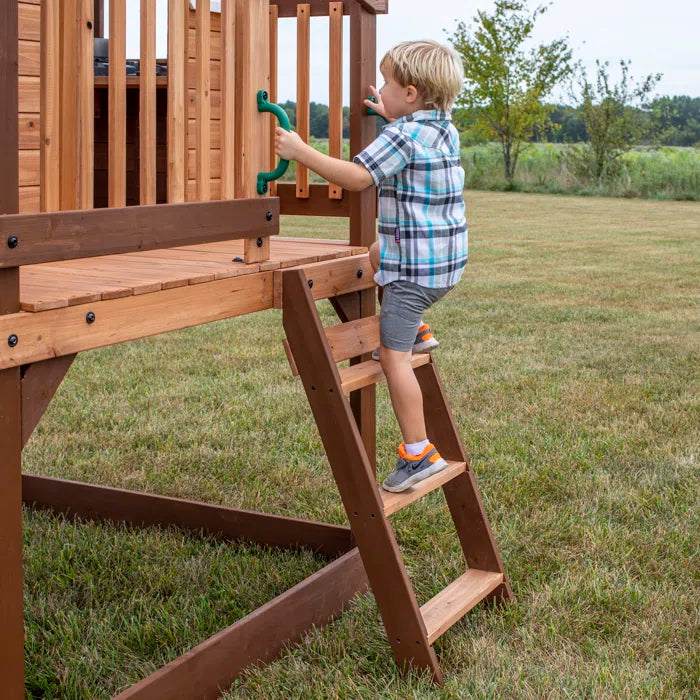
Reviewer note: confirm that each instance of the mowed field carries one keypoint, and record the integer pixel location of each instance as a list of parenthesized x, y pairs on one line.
[(570, 352)]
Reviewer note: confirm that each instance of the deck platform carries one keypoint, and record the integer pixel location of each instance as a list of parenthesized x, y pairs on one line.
[(72, 282)]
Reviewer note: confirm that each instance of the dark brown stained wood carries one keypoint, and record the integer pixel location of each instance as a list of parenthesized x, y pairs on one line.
[(462, 493), (319, 8), (91, 502), (83, 234), (347, 306), (11, 592), (363, 69), (39, 383), (260, 637), (355, 478), (317, 203), (353, 338)]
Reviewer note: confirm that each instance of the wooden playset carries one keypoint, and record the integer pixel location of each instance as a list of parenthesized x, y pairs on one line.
[(191, 151)]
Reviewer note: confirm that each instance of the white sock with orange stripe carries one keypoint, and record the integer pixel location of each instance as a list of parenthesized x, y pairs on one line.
[(415, 448)]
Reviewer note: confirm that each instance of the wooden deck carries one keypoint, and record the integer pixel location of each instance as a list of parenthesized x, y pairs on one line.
[(85, 281)]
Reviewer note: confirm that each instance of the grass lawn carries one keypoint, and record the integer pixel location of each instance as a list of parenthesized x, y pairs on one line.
[(570, 353)]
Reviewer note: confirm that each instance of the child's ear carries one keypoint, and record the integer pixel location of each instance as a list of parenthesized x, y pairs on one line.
[(411, 94)]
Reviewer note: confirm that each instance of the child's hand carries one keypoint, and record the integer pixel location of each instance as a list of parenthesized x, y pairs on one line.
[(377, 106), (288, 144)]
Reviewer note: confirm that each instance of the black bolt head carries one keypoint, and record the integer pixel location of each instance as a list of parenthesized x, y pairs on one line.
[(90, 317), (268, 216), (310, 283), (359, 274), (12, 242), (259, 242), (237, 259), (12, 340)]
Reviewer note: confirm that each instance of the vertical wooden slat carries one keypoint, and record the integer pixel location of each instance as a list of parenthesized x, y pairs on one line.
[(274, 13), (147, 104), (116, 138), (50, 193), (228, 97), (335, 103), (86, 105), (177, 142), (303, 80), (11, 592), (203, 90), (252, 127)]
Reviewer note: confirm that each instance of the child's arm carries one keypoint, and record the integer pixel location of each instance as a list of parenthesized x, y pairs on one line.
[(350, 176)]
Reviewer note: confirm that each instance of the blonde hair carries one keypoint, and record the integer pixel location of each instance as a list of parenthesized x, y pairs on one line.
[(434, 69)]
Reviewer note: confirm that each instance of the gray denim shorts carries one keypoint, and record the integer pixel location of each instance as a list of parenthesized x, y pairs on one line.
[(402, 309)]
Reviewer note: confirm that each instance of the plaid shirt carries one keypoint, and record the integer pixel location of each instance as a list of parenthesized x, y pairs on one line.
[(422, 227)]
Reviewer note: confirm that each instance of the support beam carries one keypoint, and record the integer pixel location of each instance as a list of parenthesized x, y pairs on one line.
[(258, 638), (92, 502)]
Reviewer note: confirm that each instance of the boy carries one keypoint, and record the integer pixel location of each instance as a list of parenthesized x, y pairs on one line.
[(422, 241)]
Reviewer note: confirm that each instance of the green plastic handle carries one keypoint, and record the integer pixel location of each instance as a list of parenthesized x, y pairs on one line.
[(370, 111), (281, 169)]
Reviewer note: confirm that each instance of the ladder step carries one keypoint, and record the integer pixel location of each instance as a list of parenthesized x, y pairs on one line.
[(370, 372), (394, 502), (453, 602)]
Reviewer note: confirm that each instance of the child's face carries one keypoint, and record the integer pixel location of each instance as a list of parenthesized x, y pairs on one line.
[(398, 100)]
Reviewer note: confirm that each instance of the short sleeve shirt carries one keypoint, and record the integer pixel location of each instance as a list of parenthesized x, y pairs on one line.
[(422, 229)]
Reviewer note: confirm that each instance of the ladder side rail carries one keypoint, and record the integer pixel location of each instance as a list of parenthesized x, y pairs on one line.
[(355, 478)]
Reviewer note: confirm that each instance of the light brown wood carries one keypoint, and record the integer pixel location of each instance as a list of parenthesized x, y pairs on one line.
[(251, 128), (29, 128), (353, 338), (273, 89), (367, 373), (226, 132), (303, 87), (453, 602), (335, 103), (203, 100), (177, 18), (29, 21), (29, 56), (29, 168), (50, 128), (65, 331), (394, 502), (29, 91), (116, 139), (147, 104)]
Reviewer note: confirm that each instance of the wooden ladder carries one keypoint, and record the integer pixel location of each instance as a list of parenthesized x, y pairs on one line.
[(314, 353)]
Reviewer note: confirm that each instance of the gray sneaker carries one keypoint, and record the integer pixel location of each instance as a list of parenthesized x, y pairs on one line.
[(425, 341), (410, 470)]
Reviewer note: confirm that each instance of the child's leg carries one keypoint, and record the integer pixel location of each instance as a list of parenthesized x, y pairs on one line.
[(405, 393)]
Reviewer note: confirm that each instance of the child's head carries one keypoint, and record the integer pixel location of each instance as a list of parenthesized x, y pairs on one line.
[(434, 69)]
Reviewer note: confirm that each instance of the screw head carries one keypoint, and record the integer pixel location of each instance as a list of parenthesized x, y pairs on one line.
[(310, 283), (12, 242), (12, 340), (259, 242), (359, 274), (268, 216), (90, 317), (237, 259)]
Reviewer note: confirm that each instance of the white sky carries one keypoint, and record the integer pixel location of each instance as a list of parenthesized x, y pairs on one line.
[(657, 37)]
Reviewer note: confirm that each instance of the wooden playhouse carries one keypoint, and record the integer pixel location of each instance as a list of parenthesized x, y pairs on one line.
[(132, 205)]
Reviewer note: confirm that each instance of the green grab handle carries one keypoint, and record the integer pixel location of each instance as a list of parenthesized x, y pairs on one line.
[(281, 169), (370, 111)]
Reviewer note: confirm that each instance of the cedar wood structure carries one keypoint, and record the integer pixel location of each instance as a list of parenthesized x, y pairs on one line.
[(74, 277)]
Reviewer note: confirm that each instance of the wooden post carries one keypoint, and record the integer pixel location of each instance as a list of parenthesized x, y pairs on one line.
[(117, 105), (252, 74), (363, 56), (203, 90), (274, 12), (228, 97), (147, 104), (11, 593), (50, 192), (177, 114), (335, 102), (303, 97)]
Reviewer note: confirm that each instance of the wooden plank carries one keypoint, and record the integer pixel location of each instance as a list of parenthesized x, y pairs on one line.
[(68, 235), (303, 88), (252, 128), (29, 126), (116, 188), (29, 168), (370, 372), (65, 331), (353, 338), (228, 100), (455, 601), (29, 21), (86, 106), (317, 203), (30, 58), (11, 587), (319, 8), (29, 200), (29, 94), (147, 104), (335, 103), (50, 142), (332, 278), (203, 100), (257, 638), (394, 502), (177, 18), (274, 40), (355, 478)]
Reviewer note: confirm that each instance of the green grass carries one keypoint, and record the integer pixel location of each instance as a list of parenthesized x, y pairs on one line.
[(570, 353)]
